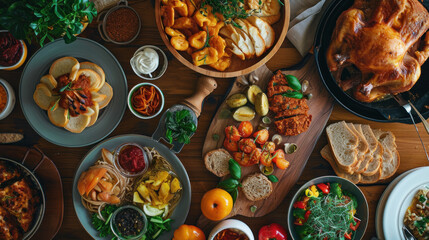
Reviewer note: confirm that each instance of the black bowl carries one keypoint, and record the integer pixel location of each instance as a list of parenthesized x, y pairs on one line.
[(382, 111)]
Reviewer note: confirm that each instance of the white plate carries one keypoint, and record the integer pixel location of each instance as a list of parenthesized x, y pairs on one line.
[(400, 199), (382, 203)]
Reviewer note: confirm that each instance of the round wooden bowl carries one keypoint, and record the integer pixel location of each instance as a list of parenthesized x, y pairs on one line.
[(238, 67)]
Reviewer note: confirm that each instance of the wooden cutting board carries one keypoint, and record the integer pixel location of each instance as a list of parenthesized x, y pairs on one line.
[(320, 105)]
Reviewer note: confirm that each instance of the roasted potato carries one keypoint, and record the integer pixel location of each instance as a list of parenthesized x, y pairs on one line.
[(198, 40), (174, 32), (191, 7), (167, 13), (219, 44), (236, 100), (206, 56), (261, 104), (186, 23), (204, 17), (222, 64), (179, 43), (180, 7), (214, 31)]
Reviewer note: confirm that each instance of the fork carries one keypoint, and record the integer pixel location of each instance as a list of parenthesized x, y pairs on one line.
[(407, 106)]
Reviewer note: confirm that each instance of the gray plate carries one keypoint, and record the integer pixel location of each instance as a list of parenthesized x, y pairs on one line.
[(181, 211), (84, 50)]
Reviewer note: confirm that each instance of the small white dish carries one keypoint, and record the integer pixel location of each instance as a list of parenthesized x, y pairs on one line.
[(137, 114), (10, 104), (231, 224), (159, 71)]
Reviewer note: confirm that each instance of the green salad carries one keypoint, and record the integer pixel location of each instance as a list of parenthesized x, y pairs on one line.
[(325, 211)]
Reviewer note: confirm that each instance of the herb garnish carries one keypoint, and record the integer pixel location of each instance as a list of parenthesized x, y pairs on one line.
[(156, 226), (103, 227), (179, 126)]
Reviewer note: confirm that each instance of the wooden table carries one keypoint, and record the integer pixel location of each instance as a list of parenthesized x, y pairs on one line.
[(68, 159)]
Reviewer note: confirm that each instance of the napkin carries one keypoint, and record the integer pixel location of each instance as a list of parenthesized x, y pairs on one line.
[(304, 19)]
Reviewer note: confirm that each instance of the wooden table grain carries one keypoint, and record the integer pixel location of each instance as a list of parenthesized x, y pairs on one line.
[(178, 83)]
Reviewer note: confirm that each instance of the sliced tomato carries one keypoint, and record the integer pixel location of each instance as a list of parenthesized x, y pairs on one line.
[(348, 235), (245, 129), (269, 146), (255, 156), (265, 158), (231, 132), (230, 145), (278, 154), (246, 145), (282, 163), (242, 158), (261, 136), (354, 227)]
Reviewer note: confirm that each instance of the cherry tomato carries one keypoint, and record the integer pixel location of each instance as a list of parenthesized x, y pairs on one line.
[(231, 132), (246, 145), (261, 136), (354, 227), (278, 154), (265, 158), (282, 163), (269, 146), (229, 145), (255, 155), (242, 158), (348, 235), (245, 129)]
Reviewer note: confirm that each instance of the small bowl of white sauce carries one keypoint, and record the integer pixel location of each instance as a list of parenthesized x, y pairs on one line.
[(149, 62)]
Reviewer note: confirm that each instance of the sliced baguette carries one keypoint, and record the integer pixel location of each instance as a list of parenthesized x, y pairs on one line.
[(216, 162), (343, 143), (65, 65), (328, 156), (362, 148), (257, 187)]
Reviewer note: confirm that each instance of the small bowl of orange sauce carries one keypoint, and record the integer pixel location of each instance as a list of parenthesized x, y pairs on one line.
[(146, 100), (7, 99)]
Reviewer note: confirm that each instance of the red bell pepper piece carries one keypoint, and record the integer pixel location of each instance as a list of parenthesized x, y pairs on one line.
[(348, 235), (307, 215), (354, 227), (273, 231), (299, 221), (299, 204), (323, 187)]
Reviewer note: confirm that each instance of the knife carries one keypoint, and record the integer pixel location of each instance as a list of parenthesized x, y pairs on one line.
[(407, 234)]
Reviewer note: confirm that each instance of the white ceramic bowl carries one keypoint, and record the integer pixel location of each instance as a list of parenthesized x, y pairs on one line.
[(160, 70), (10, 99), (231, 224), (137, 114)]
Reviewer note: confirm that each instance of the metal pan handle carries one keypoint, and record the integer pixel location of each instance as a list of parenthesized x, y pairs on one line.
[(27, 153)]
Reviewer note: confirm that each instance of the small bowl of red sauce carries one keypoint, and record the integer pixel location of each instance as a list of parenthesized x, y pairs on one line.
[(131, 160), (13, 52), (231, 229), (7, 99)]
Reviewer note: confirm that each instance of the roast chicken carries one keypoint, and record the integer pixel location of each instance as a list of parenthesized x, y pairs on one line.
[(378, 47)]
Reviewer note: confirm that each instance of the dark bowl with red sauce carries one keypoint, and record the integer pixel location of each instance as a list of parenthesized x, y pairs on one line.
[(131, 160)]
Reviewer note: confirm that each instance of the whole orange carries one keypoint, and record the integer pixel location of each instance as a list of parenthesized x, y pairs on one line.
[(216, 204)]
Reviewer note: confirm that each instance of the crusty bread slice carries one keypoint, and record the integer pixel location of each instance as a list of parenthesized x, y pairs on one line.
[(43, 96), (376, 163), (257, 187), (58, 115), (343, 143), (362, 148), (106, 90), (371, 179), (96, 108), (94, 78), (328, 156), (97, 69), (367, 157), (369, 136), (50, 81), (390, 155), (78, 124), (216, 161), (65, 65)]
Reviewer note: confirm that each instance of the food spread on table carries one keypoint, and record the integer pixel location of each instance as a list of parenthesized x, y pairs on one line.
[(378, 48), (73, 93), (130, 191), (417, 216), (326, 211), (19, 202), (213, 31)]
